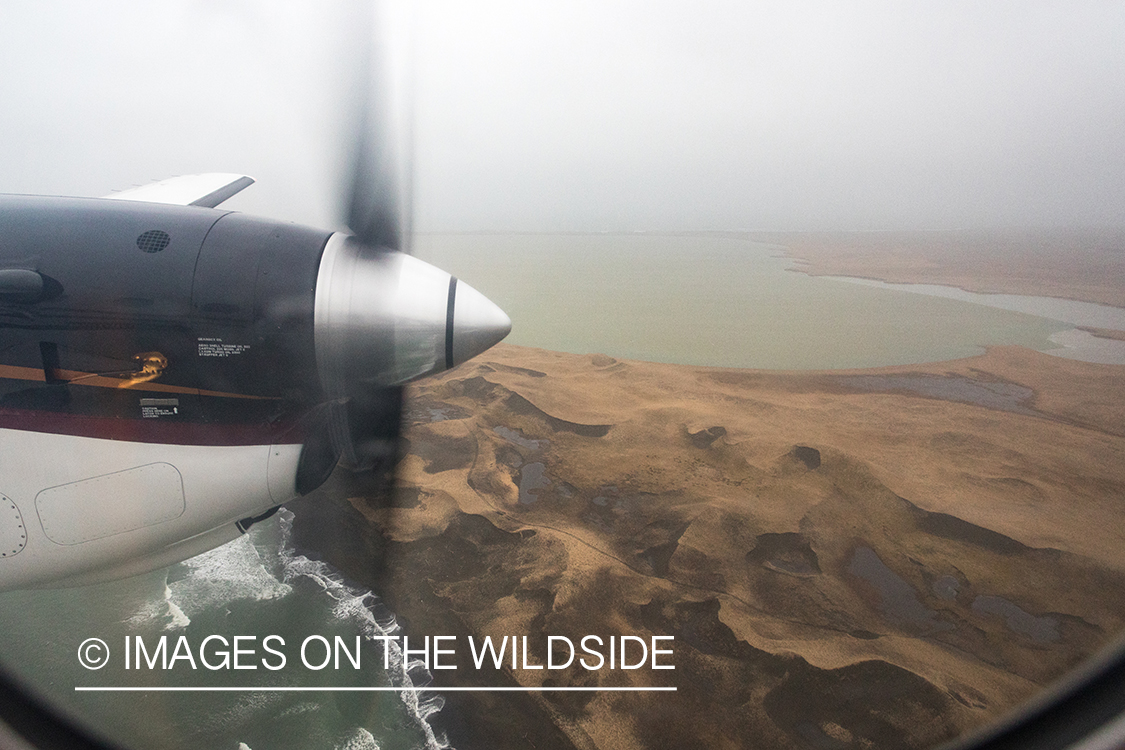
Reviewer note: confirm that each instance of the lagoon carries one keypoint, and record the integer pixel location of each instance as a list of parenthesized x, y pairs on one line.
[(710, 299)]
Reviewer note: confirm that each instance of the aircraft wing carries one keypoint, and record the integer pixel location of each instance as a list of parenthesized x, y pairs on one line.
[(208, 190)]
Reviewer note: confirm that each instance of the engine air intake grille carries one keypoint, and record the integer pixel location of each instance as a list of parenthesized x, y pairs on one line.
[(153, 241)]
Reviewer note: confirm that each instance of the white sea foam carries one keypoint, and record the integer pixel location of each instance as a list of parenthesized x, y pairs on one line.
[(374, 620), (226, 574), (179, 618), (240, 571), (306, 707), (161, 609), (360, 739), (232, 572)]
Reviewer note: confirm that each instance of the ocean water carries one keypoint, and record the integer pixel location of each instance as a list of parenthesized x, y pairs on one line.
[(696, 299), (254, 586), (708, 299), (1073, 343)]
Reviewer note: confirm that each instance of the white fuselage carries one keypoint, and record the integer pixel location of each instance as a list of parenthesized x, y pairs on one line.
[(82, 509)]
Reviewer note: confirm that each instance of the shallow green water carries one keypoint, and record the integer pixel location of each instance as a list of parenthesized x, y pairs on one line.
[(712, 300)]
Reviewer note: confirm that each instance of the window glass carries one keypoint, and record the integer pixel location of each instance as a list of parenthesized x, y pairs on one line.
[(807, 432)]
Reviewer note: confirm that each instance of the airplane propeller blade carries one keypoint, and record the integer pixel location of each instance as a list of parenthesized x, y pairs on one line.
[(378, 200), (377, 210)]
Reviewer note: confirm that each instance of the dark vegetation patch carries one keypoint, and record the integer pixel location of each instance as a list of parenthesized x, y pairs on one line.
[(658, 556), (869, 704), (520, 405), (697, 624), (626, 515), (810, 457), (864, 635), (406, 497), (704, 438), (487, 392), (956, 529), (788, 553), (520, 371)]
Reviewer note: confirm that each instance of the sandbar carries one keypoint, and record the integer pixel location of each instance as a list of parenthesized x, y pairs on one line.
[(1080, 264)]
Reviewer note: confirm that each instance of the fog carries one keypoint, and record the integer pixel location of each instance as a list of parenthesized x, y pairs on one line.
[(607, 115)]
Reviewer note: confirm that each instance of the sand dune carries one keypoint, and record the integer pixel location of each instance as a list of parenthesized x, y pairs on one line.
[(882, 558)]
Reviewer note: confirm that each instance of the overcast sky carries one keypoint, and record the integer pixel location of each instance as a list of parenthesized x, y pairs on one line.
[(593, 115)]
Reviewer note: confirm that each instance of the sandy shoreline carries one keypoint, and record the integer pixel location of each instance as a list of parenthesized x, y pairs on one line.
[(870, 558), (1083, 265)]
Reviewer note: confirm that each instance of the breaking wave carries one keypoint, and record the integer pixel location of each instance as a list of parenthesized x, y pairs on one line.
[(230, 573), (262, 565), (374, 620)]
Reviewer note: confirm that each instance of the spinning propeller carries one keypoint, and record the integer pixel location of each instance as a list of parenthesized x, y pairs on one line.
[(382, 317)]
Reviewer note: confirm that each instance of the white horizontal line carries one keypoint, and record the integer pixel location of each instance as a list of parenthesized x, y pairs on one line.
[(253, 689)]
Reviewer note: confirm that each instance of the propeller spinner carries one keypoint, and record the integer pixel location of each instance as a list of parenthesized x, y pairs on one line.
[(384, 318)]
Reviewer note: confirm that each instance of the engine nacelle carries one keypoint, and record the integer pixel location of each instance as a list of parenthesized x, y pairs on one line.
[(170, 373)]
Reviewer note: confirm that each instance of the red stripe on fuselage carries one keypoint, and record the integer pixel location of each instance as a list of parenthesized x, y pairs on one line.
[(166, 431)]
